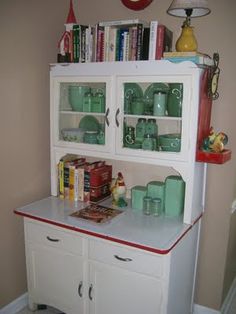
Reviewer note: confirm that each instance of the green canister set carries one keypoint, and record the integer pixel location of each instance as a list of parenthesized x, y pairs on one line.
[(83, 98), (160, 198), (143, 135), (158, 100)]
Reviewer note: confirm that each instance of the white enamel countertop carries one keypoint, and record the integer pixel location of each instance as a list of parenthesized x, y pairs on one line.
[(155, 234)]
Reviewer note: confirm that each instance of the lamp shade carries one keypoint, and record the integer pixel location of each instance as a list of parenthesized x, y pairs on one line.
[(179, 7)]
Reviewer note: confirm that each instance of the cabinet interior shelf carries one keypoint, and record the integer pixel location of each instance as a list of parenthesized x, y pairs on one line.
[(214, 158), (82, 113), (153, 117)]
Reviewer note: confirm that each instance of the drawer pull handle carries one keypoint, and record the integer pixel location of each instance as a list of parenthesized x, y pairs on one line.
[(123, 259), (90, 292), (80, 289), (52, 239)]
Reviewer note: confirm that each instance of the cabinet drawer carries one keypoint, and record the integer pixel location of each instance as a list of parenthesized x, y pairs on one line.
[(49, 235), (123, 257)]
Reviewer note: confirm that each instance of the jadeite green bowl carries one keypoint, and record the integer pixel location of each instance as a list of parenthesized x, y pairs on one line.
[(170, 142)]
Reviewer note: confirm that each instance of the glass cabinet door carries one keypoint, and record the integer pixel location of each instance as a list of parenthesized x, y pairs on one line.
[(82, 111), (152, 116)]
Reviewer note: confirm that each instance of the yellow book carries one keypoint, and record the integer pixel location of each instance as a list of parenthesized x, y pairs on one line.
[(76, 181), (61, 178), (71, 182), (63, 174)]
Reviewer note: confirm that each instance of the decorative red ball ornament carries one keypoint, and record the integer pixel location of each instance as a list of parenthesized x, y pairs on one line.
[(136, 4)]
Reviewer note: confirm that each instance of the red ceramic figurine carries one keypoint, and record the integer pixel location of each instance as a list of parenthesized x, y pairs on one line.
[(215, 142)]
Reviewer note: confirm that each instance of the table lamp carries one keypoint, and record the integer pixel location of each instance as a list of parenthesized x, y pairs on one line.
[(188, 9)]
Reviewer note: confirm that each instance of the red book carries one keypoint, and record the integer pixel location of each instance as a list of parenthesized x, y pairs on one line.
[(100, 44), (164, 41)]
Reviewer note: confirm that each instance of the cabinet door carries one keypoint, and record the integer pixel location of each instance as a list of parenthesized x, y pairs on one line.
[(55, 278), (153, 116), (80, 113), (115, 290)]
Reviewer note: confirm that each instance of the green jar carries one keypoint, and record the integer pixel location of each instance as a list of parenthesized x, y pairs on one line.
[(156, 189), (98, 103), (156, 206), (87, 102), (147, 205), (140, 129), (148, 143), (151, 128)]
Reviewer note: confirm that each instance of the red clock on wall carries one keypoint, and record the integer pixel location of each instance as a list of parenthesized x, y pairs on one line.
[(136, 4)]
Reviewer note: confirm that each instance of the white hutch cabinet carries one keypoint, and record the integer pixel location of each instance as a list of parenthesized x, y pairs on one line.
[(134, 264), (116, 79)]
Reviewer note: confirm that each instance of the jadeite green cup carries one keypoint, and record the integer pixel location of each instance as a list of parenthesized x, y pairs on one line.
[(137, 107), (76, 96)]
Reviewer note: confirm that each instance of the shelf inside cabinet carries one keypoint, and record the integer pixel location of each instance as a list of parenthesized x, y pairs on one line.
[(169, 118), (82, 113), (214, 158)]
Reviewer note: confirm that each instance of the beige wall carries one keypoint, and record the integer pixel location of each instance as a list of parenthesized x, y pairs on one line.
[(30, 30), (29, 34)]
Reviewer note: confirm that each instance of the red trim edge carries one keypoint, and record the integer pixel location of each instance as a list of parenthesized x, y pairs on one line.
[(214, 158), (138, 246), (136, 5)]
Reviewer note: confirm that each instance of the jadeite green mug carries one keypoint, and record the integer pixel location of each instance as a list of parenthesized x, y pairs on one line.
[(101, 138), (137, 106), (76, 96), (90, 137), (175, 98)]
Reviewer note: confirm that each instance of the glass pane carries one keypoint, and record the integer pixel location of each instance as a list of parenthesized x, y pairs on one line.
[(82, 108), (153, 116)]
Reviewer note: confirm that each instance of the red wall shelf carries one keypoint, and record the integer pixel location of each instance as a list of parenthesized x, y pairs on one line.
[(204, 121), (214, 158)]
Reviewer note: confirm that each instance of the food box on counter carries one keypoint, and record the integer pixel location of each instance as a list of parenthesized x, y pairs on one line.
[(101, 175), (97, 181), (97, 194)]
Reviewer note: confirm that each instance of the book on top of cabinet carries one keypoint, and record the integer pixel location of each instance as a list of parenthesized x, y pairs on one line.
[(160, 40), (123, 22), (164, 41), (152, 40), (121, 40)]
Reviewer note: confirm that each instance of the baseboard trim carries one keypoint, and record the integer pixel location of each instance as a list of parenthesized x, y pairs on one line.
[(199, 309), (16, 305), (229, 298), (21, 302)]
